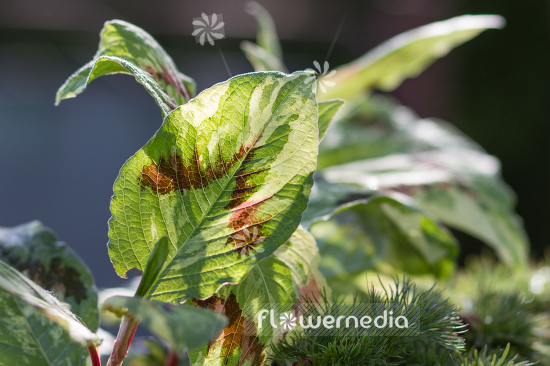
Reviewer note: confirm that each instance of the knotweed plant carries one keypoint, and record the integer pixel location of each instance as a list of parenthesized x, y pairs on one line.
[(245, 200)]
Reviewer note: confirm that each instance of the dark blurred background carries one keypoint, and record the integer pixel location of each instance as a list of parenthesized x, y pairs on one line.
[(58, 164)]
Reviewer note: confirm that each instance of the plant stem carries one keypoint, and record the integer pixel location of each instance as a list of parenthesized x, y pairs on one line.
[(124, 337), (94, 355), (172, 359)]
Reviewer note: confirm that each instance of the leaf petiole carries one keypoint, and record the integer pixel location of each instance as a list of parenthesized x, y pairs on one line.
[(94, 355), (128, 327)]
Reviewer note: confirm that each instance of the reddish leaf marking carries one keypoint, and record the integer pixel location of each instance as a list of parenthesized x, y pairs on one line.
[(171, 174), (311, 290), (234, 334), (169, 79), (248, 231)]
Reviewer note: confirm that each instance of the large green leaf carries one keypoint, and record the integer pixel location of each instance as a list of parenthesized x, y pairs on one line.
[(385, 236), (385, 149), (127, 49), (459, 189), (35, 327), (227, 173), (266, 55), (276, 282), (406, 55), (179, 326), (34, 250)]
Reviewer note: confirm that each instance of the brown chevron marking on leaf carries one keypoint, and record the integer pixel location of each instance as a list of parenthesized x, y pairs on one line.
[(241, 331), (173, 174), (244, 185)]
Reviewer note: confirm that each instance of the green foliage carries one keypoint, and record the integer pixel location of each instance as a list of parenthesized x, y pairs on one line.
[(154, 265), (266, 55), (127, 49), (435, 322), (381, 148), (276, 281), (434, 355), (36, 328), (219, 190), (210, 210), (505, 307), (406, 55), (382, 235), (34, 250), (327, 110), (169, 322), (376, 147)]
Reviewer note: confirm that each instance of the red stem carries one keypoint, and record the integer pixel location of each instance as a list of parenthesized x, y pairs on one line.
[(172, 359), (128, 327), (94, 355)]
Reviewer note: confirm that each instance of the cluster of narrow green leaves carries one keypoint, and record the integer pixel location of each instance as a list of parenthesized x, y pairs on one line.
[(434, 355), (210, 208), (505, 307), (439, 325)]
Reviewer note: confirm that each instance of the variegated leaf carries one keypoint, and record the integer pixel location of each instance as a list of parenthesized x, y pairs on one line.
[(127, 49), (276, 282), (227, 174)]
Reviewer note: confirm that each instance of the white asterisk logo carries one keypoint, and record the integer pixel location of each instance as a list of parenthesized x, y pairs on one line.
[(288, 320), (323, 76), (246, 241), (208, 28)]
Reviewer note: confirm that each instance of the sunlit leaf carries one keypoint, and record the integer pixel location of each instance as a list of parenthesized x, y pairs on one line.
[(266, 55), (406, 55), (327, 110), (127, 49), (227, 174)]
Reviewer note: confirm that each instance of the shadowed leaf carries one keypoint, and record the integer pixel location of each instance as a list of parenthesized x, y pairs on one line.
[(34, 250), (179, 325), (154, 265), (260, 59), (35, 327), (277, 281), (327, 110), (384, 236), (385, 149)]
